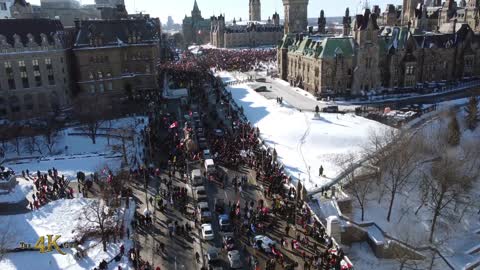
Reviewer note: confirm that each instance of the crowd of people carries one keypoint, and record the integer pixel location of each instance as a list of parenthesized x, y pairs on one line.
[(48, 187)]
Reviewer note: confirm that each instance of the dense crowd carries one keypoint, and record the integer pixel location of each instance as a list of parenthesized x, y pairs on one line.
[(195, 67)]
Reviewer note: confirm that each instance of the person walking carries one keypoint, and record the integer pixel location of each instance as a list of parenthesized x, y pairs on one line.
[(320, 170)]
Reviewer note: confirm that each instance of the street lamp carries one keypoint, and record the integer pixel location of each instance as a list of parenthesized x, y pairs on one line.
[(145, 169)]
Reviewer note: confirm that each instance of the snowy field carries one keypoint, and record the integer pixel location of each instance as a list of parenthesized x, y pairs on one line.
[(23, 189), (62, 217), (457, 234), (73, 152), (302, 142)]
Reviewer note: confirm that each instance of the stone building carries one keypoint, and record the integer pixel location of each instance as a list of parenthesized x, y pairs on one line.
[(117, 57), (245, 34), (295, 16), (439, 17), (5, 6), (196, 29), (254, 10), (374, 58), (21, 9), (34, 67)]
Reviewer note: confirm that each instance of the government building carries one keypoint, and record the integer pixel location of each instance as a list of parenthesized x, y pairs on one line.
[(380, 51), (195, 28), (251, 33)]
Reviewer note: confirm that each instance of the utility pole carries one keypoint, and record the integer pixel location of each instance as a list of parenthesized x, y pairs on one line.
[(147, 130)]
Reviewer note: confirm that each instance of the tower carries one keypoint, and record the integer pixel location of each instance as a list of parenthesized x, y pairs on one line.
[(322, 22), (408, 13), (254, 10), (196, 13), (347, 23), (276, 19), (295, 15)]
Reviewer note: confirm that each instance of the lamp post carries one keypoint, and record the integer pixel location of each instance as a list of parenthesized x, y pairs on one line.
[(146, 167)]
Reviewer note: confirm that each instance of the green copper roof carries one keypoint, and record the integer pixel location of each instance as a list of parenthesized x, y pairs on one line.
[(335, 46)]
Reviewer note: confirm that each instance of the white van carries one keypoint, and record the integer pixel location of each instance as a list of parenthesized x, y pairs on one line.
[(197, 178), (209, 166)]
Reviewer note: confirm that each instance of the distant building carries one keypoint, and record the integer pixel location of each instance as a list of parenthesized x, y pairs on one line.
[(196, 29), (254, 9), (245, 34), (5, 9), (64, 10), (117, 56), (34, 67)]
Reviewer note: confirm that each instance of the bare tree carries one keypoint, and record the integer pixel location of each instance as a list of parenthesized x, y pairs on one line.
[(395, 155), (359, 186), (99, 214), (91, 112), (449, 181)]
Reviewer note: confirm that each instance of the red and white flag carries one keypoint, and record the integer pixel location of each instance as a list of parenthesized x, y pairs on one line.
[(174, 124)]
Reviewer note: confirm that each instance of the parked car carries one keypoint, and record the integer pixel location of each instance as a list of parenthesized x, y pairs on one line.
[(197, 178), (200, 194), (207, 232), (204, 212), (202, 143), (234, 259), (263, 243), (223, 220), (207, 154), (330, 109), (212, 255)]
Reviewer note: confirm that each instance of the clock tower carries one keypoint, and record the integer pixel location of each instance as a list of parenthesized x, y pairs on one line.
[(295, 15)]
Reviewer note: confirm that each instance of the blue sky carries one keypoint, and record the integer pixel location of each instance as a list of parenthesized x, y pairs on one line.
[(237, 8)]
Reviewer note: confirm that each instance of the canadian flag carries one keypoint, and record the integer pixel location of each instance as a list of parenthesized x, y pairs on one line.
[(174, 124)]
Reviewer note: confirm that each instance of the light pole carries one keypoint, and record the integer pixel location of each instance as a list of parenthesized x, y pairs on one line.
[(146, 167)]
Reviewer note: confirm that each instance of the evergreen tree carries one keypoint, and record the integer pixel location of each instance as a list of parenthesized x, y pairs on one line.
[(472, 113), (454, 133)]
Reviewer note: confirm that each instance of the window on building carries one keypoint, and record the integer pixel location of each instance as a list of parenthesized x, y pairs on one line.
[(51, 79), (147, 69), (3, 6), (100, 75), (90, 75), (38, 78), (92, 88), (48, 63), (24, 76), (101, 88), (109, 86), (9, 73), (36, 73)]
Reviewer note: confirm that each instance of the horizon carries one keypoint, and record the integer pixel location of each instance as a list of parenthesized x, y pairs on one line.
[(236, 9)]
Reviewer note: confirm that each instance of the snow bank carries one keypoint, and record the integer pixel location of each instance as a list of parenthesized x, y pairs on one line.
[(302, 142), (61, 217), (18, 194)]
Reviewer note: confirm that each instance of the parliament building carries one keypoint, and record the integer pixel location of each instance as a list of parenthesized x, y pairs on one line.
[(402, 48)]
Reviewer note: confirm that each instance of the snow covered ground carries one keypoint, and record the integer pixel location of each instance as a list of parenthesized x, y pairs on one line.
[(18, 194), (62, 217), (457, 236), (72, 152), (302, 142)]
